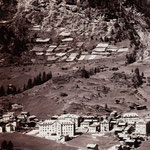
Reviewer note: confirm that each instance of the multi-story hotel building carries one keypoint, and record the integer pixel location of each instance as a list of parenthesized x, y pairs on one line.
[(57, 127)]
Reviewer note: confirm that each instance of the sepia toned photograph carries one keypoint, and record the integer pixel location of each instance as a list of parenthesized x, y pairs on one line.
[(74, 74)]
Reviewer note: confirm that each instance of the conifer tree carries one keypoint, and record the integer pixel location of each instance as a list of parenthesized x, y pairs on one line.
[(44, 77), (30, 84), (24, 88), (2, 91), (4, 145), (10, 146)]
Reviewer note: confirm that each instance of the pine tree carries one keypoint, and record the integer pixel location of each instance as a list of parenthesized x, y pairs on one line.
[(137, 78), (44, 77), (40, 78), (84, 73), (2, 91), (10, 146), (142, 74), (9, 90), (24, 88), (14, 90), (48, 76), (106, 107), (19, 90), (30, 84), (4, 145), (35, 81)]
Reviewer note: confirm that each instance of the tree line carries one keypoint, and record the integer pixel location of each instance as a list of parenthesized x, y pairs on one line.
[(7, 145), (38, 80), (137, 78), (86, 74)]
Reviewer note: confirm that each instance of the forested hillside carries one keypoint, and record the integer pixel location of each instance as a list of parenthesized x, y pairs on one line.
[(100, 20)]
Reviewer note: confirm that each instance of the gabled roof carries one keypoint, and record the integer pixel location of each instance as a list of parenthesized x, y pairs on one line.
[(65, 122), (37, 49), (102, 45), (130, 115), (91, 145), (69, 116), (105, 121)]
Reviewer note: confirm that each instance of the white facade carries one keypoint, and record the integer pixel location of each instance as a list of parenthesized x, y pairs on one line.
[(104, 126), (8, 116), (57, 127), (130, 118), (142, 127), (85, 124), (9, 128), (94, 128), (72, 117)]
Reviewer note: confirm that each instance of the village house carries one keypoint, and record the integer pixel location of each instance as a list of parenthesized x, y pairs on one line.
[(118, 130), (122, 123), (36, 28), (129, 129), (51, 48), (113, 124), (130, 117), (55, 117), (16, 106), (105, 125), (85, 124), (23, 116), (92, 147), (9, 128), (113, 114), (41, 40), (67, 40), (72, 117), (147, 118), (122, 136), (14, 124), (130, 142), (31, 118), (57, 128), (90, 118), (94, 128), (142, 127), (80, 44), (65, 34), (8, 117), (26, 114)]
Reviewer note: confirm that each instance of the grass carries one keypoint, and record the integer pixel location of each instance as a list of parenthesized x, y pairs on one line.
[(104, 142), (45, 100), (144, 146), (25, 142)]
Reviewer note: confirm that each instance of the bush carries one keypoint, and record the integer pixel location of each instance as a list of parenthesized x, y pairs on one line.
[(137, 79), (63, 94), (131, 57), (85, 73)]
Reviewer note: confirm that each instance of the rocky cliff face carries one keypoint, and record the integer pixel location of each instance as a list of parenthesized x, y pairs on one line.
[(100, 20)]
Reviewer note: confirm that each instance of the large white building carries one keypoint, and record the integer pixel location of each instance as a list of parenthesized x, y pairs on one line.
[(130, 117), (142, 127), (72, 117), (57, 128)]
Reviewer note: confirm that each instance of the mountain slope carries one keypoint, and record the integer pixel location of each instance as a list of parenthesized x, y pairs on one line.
[(108, 21)]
